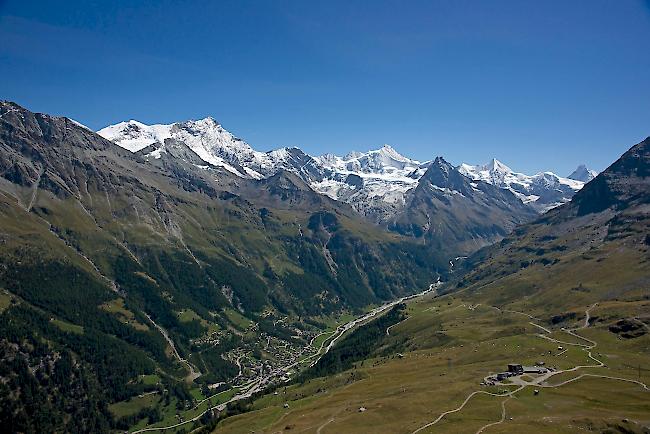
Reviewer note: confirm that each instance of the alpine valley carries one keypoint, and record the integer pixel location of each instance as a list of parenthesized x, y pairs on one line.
[(389, 189), (171, 277)]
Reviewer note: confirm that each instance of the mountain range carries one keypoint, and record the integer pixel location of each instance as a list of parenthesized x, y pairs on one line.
[(376, 183), (591, 249), (382, 185)]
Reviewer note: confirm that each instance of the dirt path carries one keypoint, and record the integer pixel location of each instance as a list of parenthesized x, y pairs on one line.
[(320, 428), (391, 326), (194, 374), (540, 327), (500, 421), (645, 386), (537, 381), (459, 408)]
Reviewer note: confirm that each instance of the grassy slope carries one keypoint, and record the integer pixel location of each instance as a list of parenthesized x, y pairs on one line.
[(453, 345)]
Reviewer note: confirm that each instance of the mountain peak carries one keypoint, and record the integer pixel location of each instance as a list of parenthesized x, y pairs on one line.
[(440, 160), (582, 173), (497, 166), (385, 160), (390, 152), (542, 191), (208, 121), (441, 163), (443, 175)]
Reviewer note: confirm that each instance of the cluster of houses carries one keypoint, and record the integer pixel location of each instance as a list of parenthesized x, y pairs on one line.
[(282, 353)]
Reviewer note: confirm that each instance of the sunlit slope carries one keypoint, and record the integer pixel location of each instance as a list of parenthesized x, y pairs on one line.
[(594, 248), (571, 290), (451, 345)]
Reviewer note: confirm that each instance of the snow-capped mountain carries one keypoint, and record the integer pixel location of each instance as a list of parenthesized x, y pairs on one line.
[(582, 173), (205, 137), (213, 144), (542, 191), (376, 183), (373, 182)]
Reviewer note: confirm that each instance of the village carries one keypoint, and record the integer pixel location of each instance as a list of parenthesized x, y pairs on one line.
[(268, 355)]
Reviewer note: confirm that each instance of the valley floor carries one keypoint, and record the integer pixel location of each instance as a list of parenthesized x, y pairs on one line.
[(599, 380), (247, 386)]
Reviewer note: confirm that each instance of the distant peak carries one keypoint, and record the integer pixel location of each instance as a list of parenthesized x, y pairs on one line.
[(440, 165), (442, 175), (133, 124), (582, 173), (388, 151), (497, 166), (209, 120), (385, 152), (440, 161)]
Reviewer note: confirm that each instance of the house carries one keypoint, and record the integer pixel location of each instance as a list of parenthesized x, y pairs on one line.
[(515, 368)]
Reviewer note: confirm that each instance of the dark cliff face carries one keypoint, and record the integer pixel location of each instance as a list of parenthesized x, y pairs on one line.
[(451, 213), (624, 184)]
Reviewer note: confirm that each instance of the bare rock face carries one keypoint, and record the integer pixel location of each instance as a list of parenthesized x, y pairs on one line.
[(623, 185), (447, 210), (629, 328)]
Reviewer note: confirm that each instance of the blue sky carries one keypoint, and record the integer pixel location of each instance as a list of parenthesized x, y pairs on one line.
[(541, 85)]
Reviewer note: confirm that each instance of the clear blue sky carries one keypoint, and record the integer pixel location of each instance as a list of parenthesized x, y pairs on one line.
[(541, 85)]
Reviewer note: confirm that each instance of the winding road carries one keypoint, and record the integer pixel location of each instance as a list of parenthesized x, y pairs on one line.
[(391, 326), (460, 407), (342, 329)]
